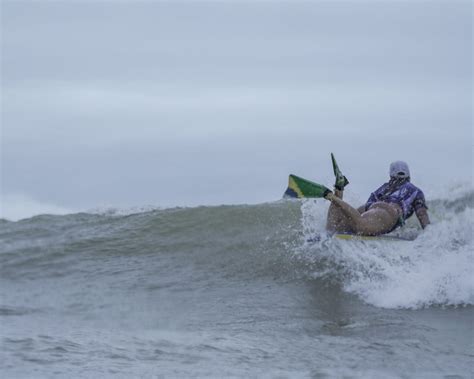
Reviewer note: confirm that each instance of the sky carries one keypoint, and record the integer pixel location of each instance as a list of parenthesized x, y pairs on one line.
[(131, 103)]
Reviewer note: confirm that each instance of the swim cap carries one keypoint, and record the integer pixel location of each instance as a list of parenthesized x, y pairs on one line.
[(399, 169)]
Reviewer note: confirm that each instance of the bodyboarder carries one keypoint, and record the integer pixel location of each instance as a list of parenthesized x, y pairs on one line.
[(386, 209)]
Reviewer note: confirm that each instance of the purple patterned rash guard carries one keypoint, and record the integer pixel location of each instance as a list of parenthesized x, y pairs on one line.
[(409, 197)]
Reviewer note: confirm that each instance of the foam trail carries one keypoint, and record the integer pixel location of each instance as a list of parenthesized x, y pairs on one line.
[(434, 270)]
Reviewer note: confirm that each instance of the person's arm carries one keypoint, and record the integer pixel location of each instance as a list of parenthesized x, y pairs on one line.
[(422, 215), (421, 210)]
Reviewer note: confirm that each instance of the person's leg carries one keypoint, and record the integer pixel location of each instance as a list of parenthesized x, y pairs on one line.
[(337, 220), (377, 220)]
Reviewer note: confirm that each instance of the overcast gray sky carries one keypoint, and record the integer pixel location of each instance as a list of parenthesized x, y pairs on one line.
[(187, 103)]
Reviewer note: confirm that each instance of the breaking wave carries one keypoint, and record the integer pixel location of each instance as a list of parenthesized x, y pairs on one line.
[(433, 270), (259, 240)]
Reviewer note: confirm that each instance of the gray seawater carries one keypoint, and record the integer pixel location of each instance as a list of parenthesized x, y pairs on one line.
[(234, 291)]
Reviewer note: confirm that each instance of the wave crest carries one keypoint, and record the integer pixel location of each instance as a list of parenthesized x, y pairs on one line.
[(433, 270), (257, 240)]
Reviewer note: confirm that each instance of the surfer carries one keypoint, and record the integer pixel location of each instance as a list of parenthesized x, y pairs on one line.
[(386, 209)]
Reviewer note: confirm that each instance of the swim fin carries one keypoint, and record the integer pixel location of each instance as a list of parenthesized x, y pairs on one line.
[(302, 188), (341, 180)]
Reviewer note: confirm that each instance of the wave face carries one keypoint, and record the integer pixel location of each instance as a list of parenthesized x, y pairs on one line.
[(259, 240), (234, 291)]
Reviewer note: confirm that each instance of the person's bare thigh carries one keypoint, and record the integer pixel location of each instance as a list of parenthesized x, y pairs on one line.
[(379, 219), (337, 221)]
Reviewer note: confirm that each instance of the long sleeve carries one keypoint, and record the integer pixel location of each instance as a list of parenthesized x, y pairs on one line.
[(422, 215)]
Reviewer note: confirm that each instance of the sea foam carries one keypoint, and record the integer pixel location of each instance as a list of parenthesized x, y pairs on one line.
[(434, 270)]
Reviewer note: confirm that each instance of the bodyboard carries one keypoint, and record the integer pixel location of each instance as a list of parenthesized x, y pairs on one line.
[(356, 237)]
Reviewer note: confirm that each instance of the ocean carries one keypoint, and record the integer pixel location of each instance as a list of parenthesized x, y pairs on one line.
[(235, 291)]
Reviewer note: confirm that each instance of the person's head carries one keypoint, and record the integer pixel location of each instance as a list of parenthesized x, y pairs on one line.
[(399, 170)]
